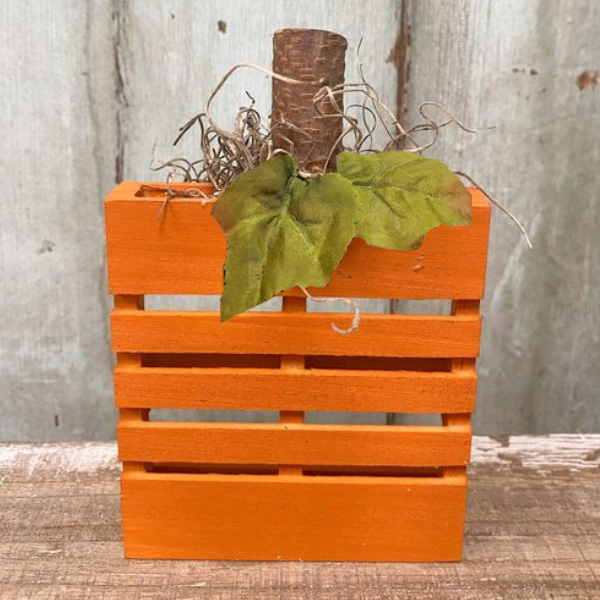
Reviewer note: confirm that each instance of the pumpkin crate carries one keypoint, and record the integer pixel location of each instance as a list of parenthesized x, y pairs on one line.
[(291, 490)]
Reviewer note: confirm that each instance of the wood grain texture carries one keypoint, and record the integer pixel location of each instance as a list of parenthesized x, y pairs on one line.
[(515, 65), (279, 333), (292, 363), (300, 390), (57, 158), (191, 46), (293, 443), (131, 360), (532, 533), (289, 518), (313, 56), (184, 253), (89, 88)]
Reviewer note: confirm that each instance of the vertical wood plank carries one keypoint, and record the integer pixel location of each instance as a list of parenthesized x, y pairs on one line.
[(57, 149), (464, 308), (81, 62), (125, 360), (291, 362), (183, 53), (516, 66)]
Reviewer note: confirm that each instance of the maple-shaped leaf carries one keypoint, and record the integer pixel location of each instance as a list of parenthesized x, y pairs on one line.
[(282, 231), (401, 196)]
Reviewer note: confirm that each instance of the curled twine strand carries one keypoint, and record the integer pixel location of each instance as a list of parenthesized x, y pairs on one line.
[(169, 193), (354, 325), (499, 206), (228, 154)]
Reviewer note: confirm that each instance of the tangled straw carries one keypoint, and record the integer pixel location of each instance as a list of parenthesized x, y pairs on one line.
[(226, 154)]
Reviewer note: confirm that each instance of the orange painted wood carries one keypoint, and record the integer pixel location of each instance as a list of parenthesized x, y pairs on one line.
[(131, 361), (247, 517), (184, 253), (302, 390), (294, 444), (462, 366), (311, 333), (173, 507), (293, 363)]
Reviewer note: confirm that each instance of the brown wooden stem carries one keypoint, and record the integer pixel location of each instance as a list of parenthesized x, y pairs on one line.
[(317, 58)]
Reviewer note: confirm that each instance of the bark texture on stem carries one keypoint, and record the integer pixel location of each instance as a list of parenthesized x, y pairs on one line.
[(318, 58)]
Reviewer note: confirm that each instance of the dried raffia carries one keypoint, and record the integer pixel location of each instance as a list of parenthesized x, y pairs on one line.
[(227, 154), (354, 324)]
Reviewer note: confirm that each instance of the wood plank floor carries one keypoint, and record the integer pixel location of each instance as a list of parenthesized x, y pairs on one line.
[(533, 532)]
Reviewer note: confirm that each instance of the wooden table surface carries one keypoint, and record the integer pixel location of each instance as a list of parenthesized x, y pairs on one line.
[(533, 532)]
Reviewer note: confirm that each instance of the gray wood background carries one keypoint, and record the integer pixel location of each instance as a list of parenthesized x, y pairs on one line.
[(90, 91)]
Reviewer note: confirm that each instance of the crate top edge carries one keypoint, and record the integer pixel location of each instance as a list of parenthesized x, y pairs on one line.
[(131, 191)]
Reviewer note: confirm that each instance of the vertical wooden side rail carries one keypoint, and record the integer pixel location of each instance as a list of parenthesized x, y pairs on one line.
[(292, 362), (461, 308), (127, 360)]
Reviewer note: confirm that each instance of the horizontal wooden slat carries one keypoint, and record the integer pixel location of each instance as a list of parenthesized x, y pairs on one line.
[(246, 517), (184, 253), (309, 390), (311, 333), (293, 444)]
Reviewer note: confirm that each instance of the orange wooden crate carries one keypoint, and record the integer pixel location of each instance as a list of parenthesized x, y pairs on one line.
[(291, 490)]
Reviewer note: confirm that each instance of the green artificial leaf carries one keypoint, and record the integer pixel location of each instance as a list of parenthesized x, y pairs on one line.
[(282, 231), (401, 196)]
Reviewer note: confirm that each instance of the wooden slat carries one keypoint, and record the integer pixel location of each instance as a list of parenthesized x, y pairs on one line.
[(247, 517), (131, 361), (292, 363), (295, 444), (184, 253), (461, 366), (274, 389), (276, 333)]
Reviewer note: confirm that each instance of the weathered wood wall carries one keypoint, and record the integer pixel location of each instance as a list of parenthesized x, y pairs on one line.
[(519, 65), (90, 89)]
